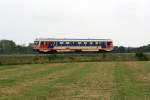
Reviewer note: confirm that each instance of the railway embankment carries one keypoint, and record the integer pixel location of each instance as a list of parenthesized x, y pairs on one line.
[(71, 57)]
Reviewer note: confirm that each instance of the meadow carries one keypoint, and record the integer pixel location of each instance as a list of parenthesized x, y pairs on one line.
[(128, 80)]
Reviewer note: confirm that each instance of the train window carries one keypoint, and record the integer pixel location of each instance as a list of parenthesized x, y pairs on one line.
[(76, 44), (36, 43), (82, 44), (58, 44), (88, 44), (55, 44), (70, 43), (67, 42), (46, 43), (42, 43), (93, 44), (103, 44), (99, 43), (64, 44), (61, 42), (79, 42), (96, 43)]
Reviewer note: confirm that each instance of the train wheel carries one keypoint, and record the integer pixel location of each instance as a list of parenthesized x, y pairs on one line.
[(102, 51), (78, 51), (41, 52), (53, 51)]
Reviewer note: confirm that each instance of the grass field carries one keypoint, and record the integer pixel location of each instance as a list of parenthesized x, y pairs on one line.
[(76, 81)]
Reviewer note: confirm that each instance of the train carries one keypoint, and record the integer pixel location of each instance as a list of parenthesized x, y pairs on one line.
[(51, 45)]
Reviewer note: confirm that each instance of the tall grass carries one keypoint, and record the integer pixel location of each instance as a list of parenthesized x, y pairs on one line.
[(52, 58)]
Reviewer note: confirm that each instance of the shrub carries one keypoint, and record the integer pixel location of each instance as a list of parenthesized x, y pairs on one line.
[(104, 55), (141, 56)]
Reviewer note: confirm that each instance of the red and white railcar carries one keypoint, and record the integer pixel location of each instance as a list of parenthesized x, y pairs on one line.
[(71, 45)]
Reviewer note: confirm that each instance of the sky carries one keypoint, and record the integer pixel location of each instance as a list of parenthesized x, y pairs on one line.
[(126, 22)]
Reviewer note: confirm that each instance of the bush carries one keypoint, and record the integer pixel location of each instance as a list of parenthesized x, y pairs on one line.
[(104, 55), (141, 56)]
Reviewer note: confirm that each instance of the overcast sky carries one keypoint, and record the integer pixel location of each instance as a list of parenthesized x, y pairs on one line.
[(126, 22)]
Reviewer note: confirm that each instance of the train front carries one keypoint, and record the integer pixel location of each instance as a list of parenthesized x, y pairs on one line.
[(36, 45)]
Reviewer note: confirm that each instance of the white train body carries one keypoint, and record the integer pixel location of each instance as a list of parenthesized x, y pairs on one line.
[(67, 45)]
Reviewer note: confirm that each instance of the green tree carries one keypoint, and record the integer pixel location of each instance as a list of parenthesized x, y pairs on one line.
[(7, 47)]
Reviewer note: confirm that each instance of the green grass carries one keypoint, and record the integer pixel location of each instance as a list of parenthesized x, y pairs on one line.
[(76, 81), (125, 83)]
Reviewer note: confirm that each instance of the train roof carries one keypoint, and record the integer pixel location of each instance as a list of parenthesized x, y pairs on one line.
[(69, 39)]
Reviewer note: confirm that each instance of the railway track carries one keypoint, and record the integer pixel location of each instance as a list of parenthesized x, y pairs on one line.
[(75, 54), (70, 54)]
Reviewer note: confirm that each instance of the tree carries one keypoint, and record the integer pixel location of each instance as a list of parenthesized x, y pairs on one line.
[(120, 49), (7, 47)]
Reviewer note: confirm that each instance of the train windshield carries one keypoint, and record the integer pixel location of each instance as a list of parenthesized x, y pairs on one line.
[(36, 42), (109, 43)]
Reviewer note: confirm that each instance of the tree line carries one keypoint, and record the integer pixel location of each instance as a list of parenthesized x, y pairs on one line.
[(122, 49), (10, 47)]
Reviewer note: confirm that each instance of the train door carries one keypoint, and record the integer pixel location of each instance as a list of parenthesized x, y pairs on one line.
[(103, 44), (44, 45), (51, 45), (98, 45)]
